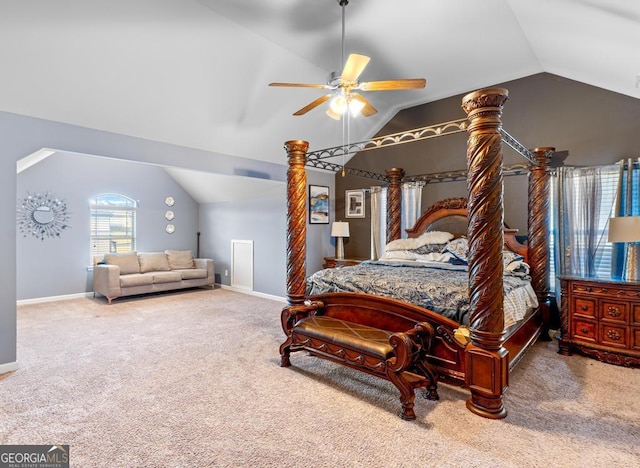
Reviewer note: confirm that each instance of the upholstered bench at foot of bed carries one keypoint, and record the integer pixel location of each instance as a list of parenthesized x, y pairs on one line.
[(396, 357)]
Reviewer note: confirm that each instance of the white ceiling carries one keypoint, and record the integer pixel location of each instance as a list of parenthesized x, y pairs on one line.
[(195, 72)]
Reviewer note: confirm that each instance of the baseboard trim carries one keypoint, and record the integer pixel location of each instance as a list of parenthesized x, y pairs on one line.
[(39, 300), (8, 367), (254, 293)]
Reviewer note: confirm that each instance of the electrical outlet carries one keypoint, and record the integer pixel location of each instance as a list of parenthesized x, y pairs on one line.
[(226, 272)]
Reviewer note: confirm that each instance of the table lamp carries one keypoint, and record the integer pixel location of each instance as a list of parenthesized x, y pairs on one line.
[(627, 229), (340, 230)]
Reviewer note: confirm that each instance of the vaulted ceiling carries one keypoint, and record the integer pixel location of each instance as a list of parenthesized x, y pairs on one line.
[(195, 72)]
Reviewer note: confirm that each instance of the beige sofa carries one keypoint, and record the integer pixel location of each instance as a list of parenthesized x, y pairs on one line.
[(118, 275)]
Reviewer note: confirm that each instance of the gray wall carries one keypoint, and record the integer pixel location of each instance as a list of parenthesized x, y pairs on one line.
[(59, 266), (586, 125), (264, 221), (21, 136)]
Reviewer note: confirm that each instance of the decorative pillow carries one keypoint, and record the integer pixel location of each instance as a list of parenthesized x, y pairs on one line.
[(128, 262), (459, 248), (430, 248), (153, 261), (432, 237), (180, 259)]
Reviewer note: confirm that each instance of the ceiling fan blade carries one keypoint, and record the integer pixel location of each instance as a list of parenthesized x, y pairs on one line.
[(354, 66), (313, 105), (368, 110), (300, 85), (392, 85)]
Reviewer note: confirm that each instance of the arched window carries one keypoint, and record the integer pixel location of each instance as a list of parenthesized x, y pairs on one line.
[(113, 224)]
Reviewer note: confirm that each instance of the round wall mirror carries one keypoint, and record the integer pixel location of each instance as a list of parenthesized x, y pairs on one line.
[(42, 215)]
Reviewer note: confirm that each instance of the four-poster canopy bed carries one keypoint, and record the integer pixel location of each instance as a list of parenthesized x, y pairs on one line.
[(418, 346)]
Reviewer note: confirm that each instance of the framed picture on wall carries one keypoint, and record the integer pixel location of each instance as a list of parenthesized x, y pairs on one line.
[(354, 204), (318, 204)]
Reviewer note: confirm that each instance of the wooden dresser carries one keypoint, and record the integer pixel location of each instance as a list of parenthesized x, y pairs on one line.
[(331, 262), (601, 318)]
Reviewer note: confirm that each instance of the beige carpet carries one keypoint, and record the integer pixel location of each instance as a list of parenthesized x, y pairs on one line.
[(191, 379)]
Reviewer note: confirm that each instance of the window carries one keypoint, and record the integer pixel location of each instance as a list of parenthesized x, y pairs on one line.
[(589, 198), (113, 224)]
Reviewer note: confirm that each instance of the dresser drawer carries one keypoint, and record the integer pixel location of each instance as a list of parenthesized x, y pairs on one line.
[(615, 312), (584, 307), (635, 314), (614, 336), (635, 339), (585, 330)]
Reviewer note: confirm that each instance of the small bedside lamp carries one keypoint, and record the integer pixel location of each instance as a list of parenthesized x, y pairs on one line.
[(340, 229), (627, 229)]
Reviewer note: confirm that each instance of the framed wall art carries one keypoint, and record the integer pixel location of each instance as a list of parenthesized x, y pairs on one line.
[(354, 204), (318, 204)]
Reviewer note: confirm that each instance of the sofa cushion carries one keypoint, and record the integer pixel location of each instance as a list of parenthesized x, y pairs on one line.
[(153, 261), (136, 279), (128, 262), (193, 273), (180, 259), (165, 276)]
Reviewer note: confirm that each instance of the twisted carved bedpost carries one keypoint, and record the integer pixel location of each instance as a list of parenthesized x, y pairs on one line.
[(296, 221), (538, 231), (394, 203), (487, 373)]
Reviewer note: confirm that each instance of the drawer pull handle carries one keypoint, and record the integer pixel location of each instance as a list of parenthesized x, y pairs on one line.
[(584, 330), (589, 289), (613, 335), (583, 307), (613, 311)]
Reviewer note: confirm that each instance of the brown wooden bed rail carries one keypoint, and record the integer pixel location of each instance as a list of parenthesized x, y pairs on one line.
[(491, 351)]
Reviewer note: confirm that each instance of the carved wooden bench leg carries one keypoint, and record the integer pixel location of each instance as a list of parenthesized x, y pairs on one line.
[(431, 392), (407, 395), (285, 352)]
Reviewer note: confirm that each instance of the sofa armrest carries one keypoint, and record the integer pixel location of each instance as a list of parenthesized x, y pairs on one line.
[(106, 280), (206, 264)]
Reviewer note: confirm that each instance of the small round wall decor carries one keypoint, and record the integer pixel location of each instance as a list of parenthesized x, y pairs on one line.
[(42, 215)]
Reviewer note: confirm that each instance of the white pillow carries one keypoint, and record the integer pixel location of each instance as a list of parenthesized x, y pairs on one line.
[(431, 237), (435, 237), (399, 255)]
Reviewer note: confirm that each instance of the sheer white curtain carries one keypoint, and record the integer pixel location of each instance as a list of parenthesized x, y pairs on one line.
[(378, 221), (585, 199), (411, 205)]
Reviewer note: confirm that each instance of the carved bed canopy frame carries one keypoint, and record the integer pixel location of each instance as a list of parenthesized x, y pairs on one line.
[(485, 353)]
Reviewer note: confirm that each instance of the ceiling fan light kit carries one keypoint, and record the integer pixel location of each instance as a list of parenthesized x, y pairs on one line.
[(342, 99)]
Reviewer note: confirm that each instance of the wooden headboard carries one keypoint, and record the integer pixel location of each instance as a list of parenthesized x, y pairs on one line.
[(451, 215)]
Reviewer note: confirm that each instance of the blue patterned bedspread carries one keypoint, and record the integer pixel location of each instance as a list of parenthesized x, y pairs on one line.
[(442, 290)]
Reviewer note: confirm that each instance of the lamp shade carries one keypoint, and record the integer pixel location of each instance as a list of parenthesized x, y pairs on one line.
[(624, 229), (340, 229)]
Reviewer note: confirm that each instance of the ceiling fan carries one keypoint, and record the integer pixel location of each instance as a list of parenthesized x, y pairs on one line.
[(344, 85)]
